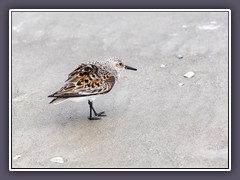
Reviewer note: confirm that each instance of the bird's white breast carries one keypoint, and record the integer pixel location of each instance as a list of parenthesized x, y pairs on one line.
[(81, 99)]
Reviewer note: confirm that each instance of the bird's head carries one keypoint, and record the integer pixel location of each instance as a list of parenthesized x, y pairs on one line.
[(119, 65)]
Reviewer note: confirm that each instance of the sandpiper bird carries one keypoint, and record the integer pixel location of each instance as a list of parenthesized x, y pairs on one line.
[(89, 80)]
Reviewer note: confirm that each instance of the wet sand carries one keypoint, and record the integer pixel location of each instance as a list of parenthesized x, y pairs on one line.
[(156, 118)]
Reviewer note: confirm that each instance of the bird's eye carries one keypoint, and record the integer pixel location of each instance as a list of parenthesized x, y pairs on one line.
[(120, 64)]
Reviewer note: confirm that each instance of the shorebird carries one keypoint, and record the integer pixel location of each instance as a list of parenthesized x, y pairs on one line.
[(90, 80)]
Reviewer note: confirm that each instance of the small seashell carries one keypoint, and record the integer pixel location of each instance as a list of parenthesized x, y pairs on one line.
[(17, 157), (189, 74), (179, 56), (184, 26), (208, 27), (57, 160), (180, 84), (163, 65)]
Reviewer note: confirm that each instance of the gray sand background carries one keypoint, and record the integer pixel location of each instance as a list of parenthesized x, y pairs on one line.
[(151, 122)]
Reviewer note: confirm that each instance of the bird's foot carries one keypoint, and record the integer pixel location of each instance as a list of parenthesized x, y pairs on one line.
[(94, 118), (100, 114), (97, 116)]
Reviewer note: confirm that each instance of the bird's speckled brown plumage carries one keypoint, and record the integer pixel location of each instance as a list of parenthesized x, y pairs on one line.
[(89, 79)]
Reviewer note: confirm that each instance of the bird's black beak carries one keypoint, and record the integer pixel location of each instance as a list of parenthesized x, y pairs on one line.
[(130, 68)]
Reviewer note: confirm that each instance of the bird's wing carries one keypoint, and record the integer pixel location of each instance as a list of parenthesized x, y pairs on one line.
[(86, 80)]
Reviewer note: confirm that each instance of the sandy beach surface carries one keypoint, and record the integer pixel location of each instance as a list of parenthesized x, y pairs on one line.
[(156, 118)]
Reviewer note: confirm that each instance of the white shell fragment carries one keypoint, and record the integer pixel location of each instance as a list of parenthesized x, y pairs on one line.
[(180, 84), (189, 74), (17, 157), (57, 160), (163, 65), (209, 27)]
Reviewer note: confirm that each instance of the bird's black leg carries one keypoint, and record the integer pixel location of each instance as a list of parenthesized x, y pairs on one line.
[(90, 107), (96, 114)]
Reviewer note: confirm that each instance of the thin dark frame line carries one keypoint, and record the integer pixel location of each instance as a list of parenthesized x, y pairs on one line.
[(121, 11), (11, 91), (122, 168), (228, 93)]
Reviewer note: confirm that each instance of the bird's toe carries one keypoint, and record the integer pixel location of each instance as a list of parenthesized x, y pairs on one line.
[(101, 114), (94, 118)]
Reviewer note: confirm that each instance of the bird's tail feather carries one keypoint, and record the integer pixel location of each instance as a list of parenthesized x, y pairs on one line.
[(58, 100)]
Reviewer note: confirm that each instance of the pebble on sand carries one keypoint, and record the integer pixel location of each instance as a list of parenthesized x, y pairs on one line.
[(180, 84), (179, 57), (163, 65), (57, 160), (189, 74)]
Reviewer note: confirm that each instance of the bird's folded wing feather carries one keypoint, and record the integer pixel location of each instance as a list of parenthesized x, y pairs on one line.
[(86, 80)]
